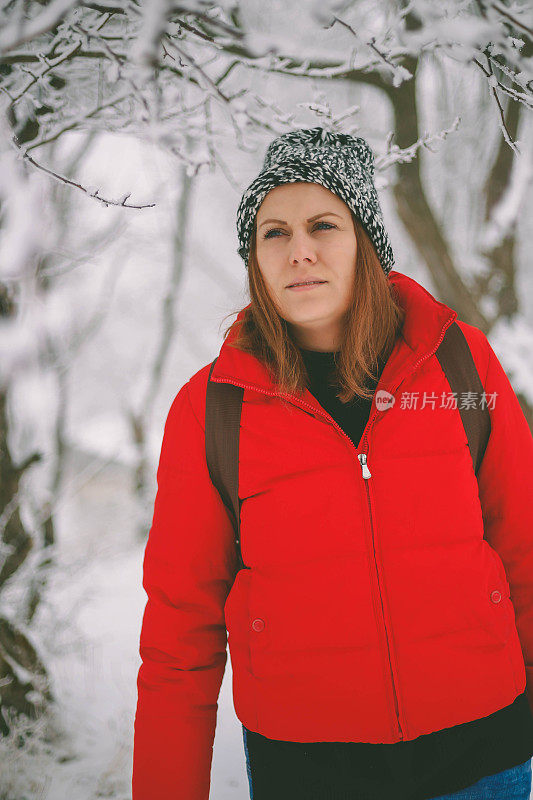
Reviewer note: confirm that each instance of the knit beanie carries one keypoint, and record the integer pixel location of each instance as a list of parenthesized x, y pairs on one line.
[(342, 163)]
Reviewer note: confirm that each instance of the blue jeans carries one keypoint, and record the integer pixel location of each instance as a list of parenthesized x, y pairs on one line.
[(248, 767), (511, 784)]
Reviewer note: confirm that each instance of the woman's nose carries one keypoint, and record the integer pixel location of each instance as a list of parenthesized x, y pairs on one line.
[(302, 247)]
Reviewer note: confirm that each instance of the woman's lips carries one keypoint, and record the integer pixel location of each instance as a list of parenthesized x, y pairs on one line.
[(305, 286)]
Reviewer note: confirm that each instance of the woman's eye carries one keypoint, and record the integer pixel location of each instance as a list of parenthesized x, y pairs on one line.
[(274, 230)]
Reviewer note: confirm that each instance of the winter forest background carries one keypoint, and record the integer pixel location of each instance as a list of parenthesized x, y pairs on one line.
[(128, 132)]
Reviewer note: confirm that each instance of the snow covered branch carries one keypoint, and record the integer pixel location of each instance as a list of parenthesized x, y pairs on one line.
[(399, 155), (22, 31), (91, 191)]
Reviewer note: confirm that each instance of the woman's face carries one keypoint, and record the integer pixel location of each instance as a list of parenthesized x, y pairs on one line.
[(304, 231)]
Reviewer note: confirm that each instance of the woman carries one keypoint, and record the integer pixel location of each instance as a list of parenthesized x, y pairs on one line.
[(381, 628)]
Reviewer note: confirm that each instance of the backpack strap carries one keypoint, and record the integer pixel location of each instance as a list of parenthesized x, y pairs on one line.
[(222, 427), (459, 367)]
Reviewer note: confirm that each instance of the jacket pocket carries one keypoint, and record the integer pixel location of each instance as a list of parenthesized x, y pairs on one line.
[(236, 608), (496, 608)]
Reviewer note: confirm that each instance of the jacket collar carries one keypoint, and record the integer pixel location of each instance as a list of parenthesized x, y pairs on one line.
[(426, 320)]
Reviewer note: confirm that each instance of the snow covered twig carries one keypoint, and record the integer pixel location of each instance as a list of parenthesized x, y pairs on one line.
[(397, 155), (92, 192)]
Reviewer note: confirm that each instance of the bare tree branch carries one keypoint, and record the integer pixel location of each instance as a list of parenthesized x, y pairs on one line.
[(91, 192)]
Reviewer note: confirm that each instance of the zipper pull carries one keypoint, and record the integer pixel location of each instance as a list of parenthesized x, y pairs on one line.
[(362, 460)]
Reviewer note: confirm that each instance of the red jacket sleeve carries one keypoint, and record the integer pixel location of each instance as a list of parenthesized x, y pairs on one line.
[(188, 569), (505, 479)]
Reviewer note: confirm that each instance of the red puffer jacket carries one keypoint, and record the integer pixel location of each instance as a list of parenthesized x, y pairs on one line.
[(374, 609)]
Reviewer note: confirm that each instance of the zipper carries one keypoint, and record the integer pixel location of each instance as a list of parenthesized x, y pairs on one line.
[(365, 471), (362, 456), (362, 460), (387, 636)]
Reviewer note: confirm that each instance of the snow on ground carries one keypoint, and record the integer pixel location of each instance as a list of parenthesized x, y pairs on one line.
[(94, 660)]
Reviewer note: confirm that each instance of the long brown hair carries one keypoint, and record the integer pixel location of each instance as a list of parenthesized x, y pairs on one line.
[(372, 324)]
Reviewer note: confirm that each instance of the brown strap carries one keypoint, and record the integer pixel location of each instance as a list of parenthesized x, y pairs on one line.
[(222, 427), (459, 367)]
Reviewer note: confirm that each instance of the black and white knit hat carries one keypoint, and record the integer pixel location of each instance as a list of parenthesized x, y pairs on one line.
[(342, 163)]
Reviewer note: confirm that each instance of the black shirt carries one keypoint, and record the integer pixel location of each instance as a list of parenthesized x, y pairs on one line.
[(351, 416), (434, 764)]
